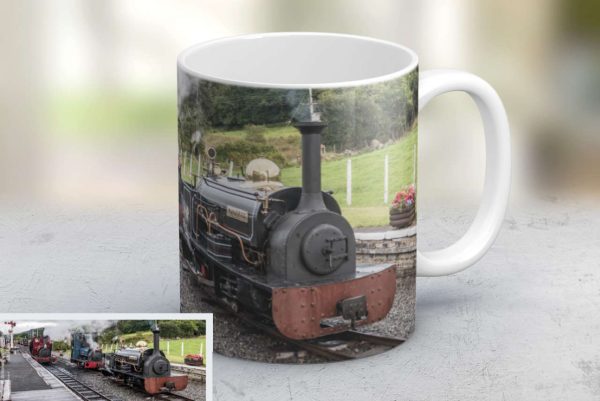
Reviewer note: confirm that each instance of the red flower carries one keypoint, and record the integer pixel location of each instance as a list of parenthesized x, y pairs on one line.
[(404, 198)]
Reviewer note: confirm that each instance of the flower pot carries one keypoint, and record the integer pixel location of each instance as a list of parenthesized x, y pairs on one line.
[(402, 217)]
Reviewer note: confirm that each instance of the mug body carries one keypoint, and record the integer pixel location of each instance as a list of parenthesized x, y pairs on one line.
[(297, 178)]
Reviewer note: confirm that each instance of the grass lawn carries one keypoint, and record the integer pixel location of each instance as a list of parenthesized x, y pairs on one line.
[(369, 216), (190, 346), (276, 131)]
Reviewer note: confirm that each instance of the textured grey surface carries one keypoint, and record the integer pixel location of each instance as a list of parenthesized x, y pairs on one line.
[(104, 259), (523, 324)]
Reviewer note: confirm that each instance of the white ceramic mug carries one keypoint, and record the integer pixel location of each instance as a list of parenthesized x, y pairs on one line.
[(258, 242)]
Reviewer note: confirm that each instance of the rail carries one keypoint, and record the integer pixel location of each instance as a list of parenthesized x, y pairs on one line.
[(85, 392)]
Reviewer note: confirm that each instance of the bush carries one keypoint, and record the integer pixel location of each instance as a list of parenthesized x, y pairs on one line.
[(131, 326), (242, 152), (61, 346), (181, 328), (255, 133), (357, 116), (107, 335)]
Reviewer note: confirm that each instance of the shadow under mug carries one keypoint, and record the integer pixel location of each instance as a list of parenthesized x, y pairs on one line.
[(297, 190)]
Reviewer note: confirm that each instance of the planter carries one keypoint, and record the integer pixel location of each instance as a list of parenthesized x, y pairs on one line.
[(401, 218)]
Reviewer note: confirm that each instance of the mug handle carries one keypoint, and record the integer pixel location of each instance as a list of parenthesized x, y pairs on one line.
[(484, 229)]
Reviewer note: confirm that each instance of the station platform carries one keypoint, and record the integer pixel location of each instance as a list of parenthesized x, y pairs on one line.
[(30, 381)]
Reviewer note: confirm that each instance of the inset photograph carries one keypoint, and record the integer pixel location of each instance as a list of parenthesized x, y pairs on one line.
[(147, 358)]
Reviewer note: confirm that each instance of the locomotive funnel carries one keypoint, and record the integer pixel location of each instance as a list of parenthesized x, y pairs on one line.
[(156, 334), (311, 198)]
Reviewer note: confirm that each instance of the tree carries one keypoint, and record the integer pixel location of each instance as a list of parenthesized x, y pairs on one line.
[(358, 115), (132, 326)]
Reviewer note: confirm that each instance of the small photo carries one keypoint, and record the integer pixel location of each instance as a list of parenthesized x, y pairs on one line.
[(129, 357)]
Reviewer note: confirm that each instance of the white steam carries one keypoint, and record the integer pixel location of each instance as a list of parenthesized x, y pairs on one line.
[(60, 330), (185, 84)]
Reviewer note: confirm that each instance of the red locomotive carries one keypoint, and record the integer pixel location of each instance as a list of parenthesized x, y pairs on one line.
[(41, 350)]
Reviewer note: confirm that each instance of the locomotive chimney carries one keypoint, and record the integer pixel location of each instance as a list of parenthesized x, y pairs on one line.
[(156, 333), (311, 198)]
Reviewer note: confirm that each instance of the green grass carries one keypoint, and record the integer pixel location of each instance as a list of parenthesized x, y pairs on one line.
[(372, 216), (275, 131), (190, 346)]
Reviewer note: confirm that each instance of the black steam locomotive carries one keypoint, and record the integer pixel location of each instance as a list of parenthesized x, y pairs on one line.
[(147, 369), (287, 254)]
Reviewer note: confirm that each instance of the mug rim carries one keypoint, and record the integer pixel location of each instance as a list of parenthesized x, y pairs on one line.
[(183, 65)]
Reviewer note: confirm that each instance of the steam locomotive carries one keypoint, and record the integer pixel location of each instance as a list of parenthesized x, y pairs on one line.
[(40, 349), (83, 353), (146, 369), (286, 255)]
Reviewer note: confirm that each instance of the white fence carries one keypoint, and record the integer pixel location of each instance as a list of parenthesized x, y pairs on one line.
[(184, 350), (386, 177)]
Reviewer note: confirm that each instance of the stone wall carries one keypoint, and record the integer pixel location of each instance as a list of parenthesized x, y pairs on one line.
[(397, 246)]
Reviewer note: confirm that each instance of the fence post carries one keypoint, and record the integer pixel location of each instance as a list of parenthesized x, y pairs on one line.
[(168, 347), (201, 348), (349, 182), (386, 173), (414, 164)]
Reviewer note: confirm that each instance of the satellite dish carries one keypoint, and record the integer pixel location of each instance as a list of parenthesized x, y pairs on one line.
[(262, 167)]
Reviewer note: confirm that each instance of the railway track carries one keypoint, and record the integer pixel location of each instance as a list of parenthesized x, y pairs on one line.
[(171, 396), (85, 392), (347, 345), (342, 346)]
